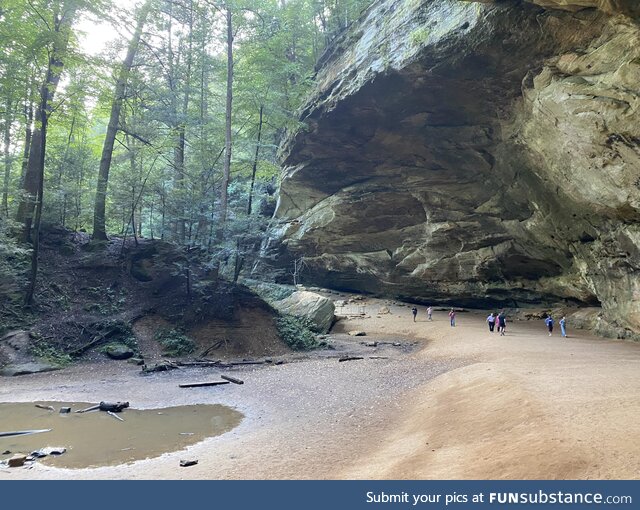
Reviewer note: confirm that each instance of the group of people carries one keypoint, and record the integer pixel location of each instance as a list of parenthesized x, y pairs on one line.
[(563, 325), (497, 322), (414, 311), (499, 319)]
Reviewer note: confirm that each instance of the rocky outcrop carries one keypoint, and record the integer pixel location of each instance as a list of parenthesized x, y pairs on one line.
[(474, 153)]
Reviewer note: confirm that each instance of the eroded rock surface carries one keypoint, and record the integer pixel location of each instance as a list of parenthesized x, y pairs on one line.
[(474, 153)]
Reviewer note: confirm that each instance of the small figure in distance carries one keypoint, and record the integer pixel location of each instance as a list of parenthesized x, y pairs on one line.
[(502, 323), (549, 322), (429, 313), (452, 318), (563, 326), (491, 320), (414, 311)]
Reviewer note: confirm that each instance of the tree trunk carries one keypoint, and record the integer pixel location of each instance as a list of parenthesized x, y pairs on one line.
[(255, 162), (99, 228), (182, 126), (7, 161), (34, 175), (224, 193)]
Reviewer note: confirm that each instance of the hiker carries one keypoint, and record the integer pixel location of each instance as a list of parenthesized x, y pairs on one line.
[(563, 326), (549, 322), (502, 323), (491, 320), (429, 313), (452, 318), (414, 311)]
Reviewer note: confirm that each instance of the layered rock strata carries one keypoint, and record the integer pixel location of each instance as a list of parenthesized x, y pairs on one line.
[(474, 153)]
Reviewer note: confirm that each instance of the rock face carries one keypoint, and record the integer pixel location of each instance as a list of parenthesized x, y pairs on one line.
[(318, 309), (474, 153)]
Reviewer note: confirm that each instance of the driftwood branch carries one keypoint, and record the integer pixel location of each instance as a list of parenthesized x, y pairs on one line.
[(232, 379), (92, 408), (202, 384), (110, 413), (24, 432)]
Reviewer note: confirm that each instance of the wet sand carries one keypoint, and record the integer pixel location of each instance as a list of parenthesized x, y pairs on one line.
[(466, 404)]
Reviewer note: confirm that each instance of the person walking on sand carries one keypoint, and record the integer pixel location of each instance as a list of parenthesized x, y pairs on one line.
[(563, 326), (502, 323), (452, 318), (491, 320), (414, 311), (549, 322), (429, 313)]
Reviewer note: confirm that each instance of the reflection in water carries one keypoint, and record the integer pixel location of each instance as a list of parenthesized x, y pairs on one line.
[(97, 439)]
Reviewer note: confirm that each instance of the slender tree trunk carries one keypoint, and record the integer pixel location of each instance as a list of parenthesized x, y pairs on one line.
[(254, 169), (28, 135), (224, 198), (7, 160), (182, 126), (99, 228)]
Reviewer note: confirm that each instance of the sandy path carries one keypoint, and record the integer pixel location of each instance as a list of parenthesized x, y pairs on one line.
[(467, 405)]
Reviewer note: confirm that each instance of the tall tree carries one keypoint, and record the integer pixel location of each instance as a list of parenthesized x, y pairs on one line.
[(99, 228), (228, 144)]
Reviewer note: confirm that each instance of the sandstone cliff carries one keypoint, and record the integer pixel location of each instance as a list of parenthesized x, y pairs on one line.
[(474, 153)]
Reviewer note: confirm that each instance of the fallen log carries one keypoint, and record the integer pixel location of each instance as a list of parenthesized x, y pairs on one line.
[(238, 363), (198, 363), (350, 358), (113, 407), (46, 408), (232, 379), (24, 432), (201, 384)]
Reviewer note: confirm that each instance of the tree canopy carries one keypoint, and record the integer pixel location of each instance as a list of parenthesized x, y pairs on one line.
[(170, 132)]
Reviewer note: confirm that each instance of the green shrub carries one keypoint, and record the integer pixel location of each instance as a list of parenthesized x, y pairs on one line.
[(40, 348), (174, 342), (297, 332)]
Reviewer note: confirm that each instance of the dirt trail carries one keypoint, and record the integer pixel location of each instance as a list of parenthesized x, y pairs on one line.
[(469, 404)]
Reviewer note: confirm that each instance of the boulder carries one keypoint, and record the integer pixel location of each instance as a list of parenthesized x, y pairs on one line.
[(26, 369), (17, 460), (318, 309), (118, 351), (357, 333)]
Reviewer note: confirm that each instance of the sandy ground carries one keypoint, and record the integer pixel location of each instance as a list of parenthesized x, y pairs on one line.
[(463, 404)]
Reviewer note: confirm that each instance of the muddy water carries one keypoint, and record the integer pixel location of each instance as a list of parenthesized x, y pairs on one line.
[(97, 439)]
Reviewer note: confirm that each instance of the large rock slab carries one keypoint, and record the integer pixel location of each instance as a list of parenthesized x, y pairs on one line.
[(26, 369), (475, 154), (318, 309)]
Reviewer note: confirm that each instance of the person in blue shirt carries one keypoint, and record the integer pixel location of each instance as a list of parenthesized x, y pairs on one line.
[(549, 322), (563, 326)]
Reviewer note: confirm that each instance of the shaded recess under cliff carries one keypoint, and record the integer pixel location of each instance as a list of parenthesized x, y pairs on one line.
[(473, 153)]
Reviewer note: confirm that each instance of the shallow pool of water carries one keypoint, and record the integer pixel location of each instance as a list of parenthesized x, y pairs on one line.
[(97, 439)]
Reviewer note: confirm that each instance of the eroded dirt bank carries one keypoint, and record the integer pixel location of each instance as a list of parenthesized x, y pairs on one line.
[(466, 404)]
